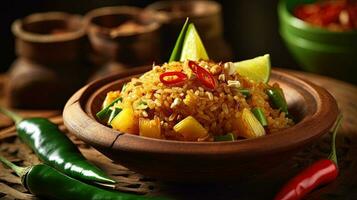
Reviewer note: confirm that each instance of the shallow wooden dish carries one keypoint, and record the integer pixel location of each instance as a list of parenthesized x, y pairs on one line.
[(313, 107)]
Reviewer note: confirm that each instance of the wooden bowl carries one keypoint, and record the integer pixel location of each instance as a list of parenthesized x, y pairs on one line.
[(313, 107)]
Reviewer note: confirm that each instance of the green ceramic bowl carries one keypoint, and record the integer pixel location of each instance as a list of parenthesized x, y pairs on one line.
[(317, 49)]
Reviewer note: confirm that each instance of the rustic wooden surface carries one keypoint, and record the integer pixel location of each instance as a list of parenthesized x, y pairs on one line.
[(262, 187)]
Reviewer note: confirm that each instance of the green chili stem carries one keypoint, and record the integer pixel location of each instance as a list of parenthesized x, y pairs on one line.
[(333, 155), (11, 114), (20, 171), (105, 185)]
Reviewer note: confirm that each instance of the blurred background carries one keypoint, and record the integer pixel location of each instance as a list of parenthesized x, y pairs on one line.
[(250, 27), (48, 56)]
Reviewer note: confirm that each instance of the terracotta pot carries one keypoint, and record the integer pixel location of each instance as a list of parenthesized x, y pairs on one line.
[(122, 37), (50, 64), (207, 17)]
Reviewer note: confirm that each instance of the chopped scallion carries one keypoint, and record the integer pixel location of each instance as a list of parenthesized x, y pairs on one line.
[(105, 112), (245, 92), (226, 137), (277, 99), (114, 113), (259, 114)]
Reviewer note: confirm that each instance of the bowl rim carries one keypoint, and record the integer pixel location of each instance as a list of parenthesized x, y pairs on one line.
[(314, 45), (17, 27), (286, 16), (288, 138), (133, 11), (212, 7)]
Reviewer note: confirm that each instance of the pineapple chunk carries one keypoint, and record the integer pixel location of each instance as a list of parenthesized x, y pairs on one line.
[(150, 128), (126, 121), (190, 128), (248, 126)]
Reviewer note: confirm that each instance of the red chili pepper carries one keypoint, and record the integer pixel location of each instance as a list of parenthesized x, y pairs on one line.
[(204, 76), (321, 172), (170, 78)]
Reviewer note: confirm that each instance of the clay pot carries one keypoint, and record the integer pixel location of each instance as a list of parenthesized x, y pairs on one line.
[(207, 17), (50, 64), (122, 37), (199, 162)]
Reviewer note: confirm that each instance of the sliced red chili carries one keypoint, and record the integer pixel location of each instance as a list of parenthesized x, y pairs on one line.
[(193, 66), (170, 78), (204, 76)]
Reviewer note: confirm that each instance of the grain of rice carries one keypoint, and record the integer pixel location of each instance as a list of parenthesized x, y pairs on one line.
[(225, 108), (209, 95), (222, 77), (175, 103), (144, 113)]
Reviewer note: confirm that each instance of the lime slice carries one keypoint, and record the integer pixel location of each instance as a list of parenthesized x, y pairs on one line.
[(256, 69), (193, 48)]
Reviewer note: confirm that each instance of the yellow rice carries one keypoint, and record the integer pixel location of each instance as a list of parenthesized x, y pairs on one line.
[(216, 110)]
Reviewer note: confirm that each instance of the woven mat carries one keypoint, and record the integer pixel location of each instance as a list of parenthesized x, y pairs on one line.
[(262, 187)]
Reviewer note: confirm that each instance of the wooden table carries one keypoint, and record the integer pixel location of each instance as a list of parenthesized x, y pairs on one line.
[(262, 187)]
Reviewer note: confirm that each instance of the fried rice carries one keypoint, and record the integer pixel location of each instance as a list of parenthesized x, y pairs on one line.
[(215, 109)]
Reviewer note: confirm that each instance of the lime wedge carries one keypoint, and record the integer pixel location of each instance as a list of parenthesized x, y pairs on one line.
[(193, 48), (256, 69)]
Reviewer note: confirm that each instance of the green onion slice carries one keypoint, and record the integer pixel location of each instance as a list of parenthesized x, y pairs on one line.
[(114, 113), (227, 137), (105, 112), (259, 114), (277, 99)]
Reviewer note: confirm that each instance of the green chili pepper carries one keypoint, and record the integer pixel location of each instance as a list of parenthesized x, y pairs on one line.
[(46, 182), (226, 137), (55, 149), (176, 52), (113, 114), (259, 114), (105, 112), (277, 99)]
